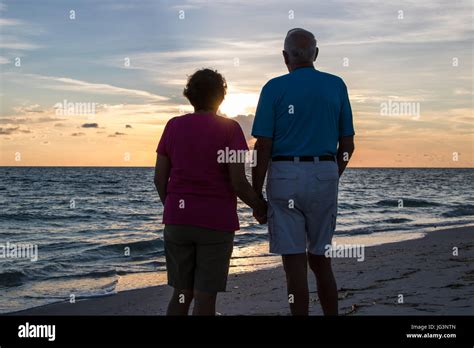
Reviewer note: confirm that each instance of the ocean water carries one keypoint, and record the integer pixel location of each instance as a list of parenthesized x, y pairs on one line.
[(83, 221)]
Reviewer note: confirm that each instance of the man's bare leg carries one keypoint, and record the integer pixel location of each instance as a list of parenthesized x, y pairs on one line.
[(327, 288), (180, 302), (204, 303), (296, 269)]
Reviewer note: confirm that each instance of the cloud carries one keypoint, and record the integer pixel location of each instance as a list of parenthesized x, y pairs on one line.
[(389, 59), (463, 91), (90, 125), (47, 119), (80, 86), (116, 134), (246, 123), (119, 6), (29, 120), (13, 31), (12, 130), (146, 113), (7, 131), (237, 59), (26, 109), (69, 84), (9, 22), (29, 114), (12, 44)]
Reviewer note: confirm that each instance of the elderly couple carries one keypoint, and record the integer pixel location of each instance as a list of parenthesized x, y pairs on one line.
[(304, 130)]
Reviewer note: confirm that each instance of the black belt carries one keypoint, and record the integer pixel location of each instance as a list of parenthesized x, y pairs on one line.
[(303, 158)]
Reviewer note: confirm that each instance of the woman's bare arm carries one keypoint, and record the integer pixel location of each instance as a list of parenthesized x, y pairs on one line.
[(244, 190), (162, 175)]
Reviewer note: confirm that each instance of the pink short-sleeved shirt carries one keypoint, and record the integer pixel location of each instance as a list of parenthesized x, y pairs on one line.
[(199, 191)]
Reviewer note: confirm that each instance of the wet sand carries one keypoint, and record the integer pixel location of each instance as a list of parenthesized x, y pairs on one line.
[(424, 271)]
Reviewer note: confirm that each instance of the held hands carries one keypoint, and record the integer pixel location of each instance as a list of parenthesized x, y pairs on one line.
[(260, 213)]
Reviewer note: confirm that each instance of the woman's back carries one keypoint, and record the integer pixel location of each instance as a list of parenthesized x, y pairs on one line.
[(199, 191)]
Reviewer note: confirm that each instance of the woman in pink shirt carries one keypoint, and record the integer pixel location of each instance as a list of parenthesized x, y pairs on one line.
[(199, 193)]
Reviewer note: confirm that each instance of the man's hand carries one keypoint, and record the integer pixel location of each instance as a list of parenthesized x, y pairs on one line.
[(262, 220), (260, 214)]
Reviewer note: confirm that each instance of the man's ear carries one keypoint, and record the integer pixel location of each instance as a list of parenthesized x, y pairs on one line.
[(316, 54), (285, 57)]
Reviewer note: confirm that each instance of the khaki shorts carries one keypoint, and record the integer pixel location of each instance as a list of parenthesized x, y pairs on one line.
[(197, 258), (302, 206)]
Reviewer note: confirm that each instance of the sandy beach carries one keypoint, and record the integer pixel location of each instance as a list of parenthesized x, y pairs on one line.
[(431, 279)]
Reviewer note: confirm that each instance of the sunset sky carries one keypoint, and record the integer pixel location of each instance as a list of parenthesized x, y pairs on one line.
[(130, 59)]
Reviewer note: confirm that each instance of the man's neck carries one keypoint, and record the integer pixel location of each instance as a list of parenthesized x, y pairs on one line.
[(297, 66)]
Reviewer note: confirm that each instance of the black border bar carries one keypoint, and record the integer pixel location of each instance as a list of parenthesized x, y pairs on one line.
[(158, 330)]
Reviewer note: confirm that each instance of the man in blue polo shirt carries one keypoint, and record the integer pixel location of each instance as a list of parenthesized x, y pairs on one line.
[(305, 138)]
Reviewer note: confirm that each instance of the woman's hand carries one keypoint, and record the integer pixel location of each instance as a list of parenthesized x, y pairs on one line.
[(260, 213)]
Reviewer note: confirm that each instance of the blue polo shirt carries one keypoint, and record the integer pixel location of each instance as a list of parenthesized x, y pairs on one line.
[(305, 112)]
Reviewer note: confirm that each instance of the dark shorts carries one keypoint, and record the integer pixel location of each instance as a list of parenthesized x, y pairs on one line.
[(197, 258)]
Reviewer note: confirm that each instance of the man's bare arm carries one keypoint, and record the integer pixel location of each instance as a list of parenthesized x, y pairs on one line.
[(263, 148), (344, 152), (162, 175)]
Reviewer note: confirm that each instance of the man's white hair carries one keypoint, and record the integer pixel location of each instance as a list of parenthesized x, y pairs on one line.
[(300, 45)]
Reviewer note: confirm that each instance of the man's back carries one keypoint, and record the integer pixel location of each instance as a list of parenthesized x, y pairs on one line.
[(305, 112), (304, 132)]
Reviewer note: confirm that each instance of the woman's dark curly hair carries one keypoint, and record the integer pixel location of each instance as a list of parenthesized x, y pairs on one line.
[(205, 89)]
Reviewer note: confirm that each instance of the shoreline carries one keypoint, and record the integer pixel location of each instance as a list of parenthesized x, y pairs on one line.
[(423, 271)]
